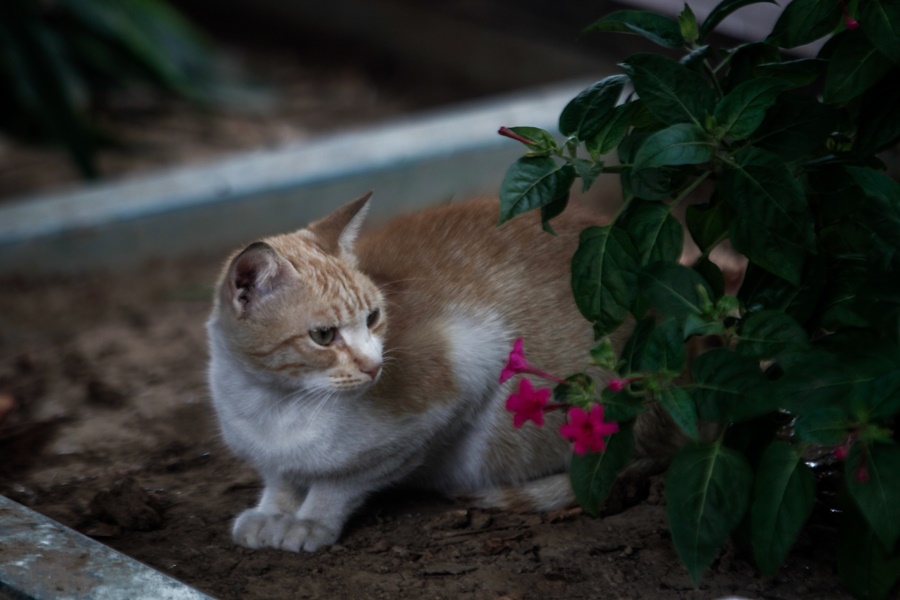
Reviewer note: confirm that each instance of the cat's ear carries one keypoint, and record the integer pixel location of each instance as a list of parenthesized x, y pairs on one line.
[(337, 232), (254, 274)]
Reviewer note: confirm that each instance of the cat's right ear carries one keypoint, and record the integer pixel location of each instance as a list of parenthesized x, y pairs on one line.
[(253, 274)]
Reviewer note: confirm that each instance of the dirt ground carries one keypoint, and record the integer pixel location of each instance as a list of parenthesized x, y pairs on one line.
[(107, 428)]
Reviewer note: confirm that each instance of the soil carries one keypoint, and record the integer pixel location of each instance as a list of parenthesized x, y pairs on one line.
[(105, 423), (105, 426)]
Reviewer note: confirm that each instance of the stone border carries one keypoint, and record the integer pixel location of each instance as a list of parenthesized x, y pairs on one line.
[(42, 560), (428, 158)]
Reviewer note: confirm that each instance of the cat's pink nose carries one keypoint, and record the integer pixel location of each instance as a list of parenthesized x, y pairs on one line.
[(373, 371)]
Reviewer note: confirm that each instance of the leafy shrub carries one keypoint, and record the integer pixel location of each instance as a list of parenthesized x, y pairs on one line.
[(810, 344), (57, 57)]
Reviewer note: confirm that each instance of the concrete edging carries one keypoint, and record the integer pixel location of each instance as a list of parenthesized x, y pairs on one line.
[(61, 563), (423, 159)]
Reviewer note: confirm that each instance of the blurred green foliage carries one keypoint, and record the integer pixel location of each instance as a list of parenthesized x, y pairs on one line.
[(58, 56)]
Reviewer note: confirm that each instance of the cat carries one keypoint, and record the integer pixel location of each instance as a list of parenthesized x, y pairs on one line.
[(342, 363)]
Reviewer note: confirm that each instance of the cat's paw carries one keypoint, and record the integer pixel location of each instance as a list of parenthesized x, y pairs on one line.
[(256, 529)]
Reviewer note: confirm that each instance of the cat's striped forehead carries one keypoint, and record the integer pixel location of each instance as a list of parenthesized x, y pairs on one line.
[(338, 293)]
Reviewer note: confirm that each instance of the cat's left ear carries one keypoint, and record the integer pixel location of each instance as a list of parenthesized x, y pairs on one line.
[(337, 232)]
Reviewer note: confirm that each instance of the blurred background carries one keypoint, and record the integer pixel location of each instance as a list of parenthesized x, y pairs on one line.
[(107, 88)]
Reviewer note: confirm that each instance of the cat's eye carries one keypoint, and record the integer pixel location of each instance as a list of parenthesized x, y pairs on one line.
[(323, 336), (372, 318)]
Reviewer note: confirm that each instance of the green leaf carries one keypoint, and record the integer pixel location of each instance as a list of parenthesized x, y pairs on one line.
[(762, 290), (670, 91), (679, 144), (722, 10), (745, 61), (532, 182), (655, 233), (680, 406), (588, 171), (826, 426), (882, 211), (773, 226), (805, 21), (855, 66), (687, 22), (621, 407), (730, 388), (795, 127), (825, 374), (613, 130), (656, 28), (767, 333), (878, 498), (651, 184), (711, 272), (741, 112), (672, 289), (802, 71), (664, 351), (708, 491), (544, 142), (593, 474), (633, 352), (708, 223), (878, 399), (694, 59), (590, 110), (867, 569), (551, 211), (882, 26), (603, 277), (783, 498), (879, 123)]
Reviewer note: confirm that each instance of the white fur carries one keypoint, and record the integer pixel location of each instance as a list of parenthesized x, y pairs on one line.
[(478, 344), (321, 452)]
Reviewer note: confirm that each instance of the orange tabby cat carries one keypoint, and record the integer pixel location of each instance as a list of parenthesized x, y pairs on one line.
[(340, 366)]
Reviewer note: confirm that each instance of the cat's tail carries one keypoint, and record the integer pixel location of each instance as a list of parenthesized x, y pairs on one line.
[(540, 495)]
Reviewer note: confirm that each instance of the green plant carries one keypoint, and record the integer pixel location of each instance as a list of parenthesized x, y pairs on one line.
[(57, 57), (810, 344)]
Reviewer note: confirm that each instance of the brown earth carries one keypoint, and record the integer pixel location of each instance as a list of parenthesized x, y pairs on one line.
[(107, 429)]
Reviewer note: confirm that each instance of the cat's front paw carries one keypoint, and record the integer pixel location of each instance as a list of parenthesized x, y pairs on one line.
[(256, 529)]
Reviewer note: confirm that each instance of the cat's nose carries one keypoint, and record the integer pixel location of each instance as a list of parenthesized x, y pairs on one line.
[(373, 370)]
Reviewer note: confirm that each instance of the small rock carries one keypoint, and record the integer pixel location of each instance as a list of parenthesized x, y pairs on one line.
[(452, 519), (480, 520)]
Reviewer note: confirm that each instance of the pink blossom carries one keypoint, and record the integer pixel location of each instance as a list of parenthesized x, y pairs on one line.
[(849, 22), (507, 132), (518, 364), (617, 385), (862, 475), (840, 452), (528, 404), (588, 429)]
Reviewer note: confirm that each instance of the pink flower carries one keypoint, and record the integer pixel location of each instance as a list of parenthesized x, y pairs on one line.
[(507, 132), (617, 385), (840, 452), (849, 22), (518, 364), (862, 475), (528, 404), (587, 430)]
